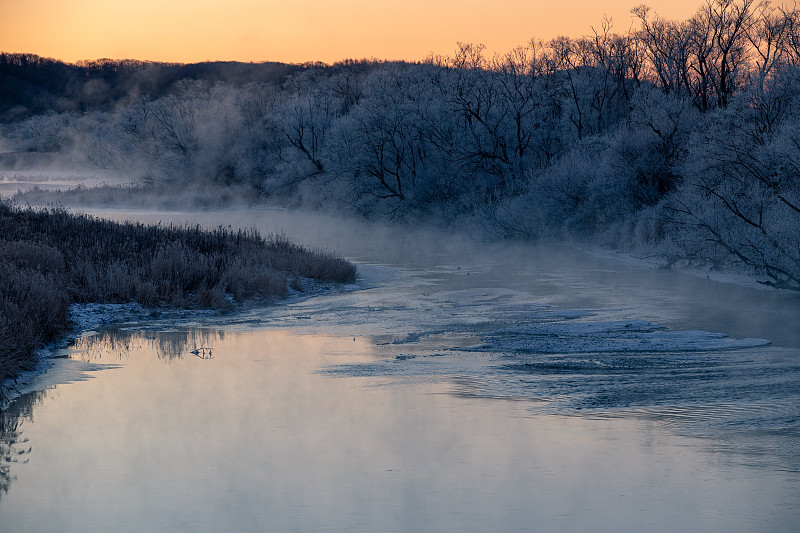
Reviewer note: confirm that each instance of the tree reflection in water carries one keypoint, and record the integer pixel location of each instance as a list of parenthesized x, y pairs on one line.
[(168, 345), (14, 447)]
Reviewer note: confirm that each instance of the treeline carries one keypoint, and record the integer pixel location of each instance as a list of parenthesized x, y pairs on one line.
[(677, 138), (31, 85), (50, 259)]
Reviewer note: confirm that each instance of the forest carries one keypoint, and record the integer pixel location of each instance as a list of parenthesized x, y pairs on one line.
[(673, 140), (31, 85)]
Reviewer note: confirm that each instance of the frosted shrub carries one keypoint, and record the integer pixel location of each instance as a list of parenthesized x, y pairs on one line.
[(32, 255), (33, 309)]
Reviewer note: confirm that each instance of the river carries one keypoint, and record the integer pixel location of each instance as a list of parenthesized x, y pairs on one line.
[(458, 386)]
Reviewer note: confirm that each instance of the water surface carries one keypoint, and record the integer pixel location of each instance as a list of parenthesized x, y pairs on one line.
[(462, 387)]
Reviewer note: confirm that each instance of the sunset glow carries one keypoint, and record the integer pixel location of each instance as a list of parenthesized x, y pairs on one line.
[(298, 30)]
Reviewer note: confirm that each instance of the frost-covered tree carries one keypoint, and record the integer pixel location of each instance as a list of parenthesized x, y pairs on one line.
[(741, 201), (678, 137)]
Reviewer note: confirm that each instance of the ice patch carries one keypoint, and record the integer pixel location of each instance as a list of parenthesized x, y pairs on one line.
[(563, 315), (88, 317), (604, 337)]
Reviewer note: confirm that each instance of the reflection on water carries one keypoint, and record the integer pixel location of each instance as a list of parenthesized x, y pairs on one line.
[(167, 345), (14, 445), (257, 438), (116, 344)]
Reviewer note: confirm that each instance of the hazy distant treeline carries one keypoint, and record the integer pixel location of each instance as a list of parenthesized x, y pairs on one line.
[(678, 138), (31, 85)]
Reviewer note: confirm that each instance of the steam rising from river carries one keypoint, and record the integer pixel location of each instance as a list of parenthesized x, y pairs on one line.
[(557, 325), (476, 383)]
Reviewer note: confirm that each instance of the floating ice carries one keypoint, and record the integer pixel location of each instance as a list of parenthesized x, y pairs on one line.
[(572, 337)]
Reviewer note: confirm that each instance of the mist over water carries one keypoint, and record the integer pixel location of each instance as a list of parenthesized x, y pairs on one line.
[(460, 386), (567, 274), (594, 331)]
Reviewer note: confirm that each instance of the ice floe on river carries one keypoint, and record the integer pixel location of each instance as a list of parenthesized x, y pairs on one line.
[(603, 337)]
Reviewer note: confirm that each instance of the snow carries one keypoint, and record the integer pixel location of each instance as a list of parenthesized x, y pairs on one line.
[(87, 317)]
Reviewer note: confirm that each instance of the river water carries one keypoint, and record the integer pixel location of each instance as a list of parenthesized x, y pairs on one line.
[(458, 386)]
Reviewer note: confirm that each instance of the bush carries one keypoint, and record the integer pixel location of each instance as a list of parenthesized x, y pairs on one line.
[(33, 310)]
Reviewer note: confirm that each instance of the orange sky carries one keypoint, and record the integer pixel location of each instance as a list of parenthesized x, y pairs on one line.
[(297, 30)]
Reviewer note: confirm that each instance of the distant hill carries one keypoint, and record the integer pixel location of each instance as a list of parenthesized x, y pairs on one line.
[(30, 84)]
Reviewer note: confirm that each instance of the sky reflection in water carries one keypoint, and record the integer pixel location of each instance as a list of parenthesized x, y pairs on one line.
[(257, 438)]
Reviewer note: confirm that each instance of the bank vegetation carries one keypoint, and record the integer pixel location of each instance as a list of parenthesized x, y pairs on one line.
[(50, 259)]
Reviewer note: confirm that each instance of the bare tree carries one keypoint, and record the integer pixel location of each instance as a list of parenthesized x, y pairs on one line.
[(706, 56), (666, 47)]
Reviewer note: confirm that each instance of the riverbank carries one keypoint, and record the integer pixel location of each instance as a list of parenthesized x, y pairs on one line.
[(52, 364), (52, 259), (168, 198)]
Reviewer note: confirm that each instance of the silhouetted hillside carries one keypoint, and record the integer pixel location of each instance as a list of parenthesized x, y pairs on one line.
[(30, 85)]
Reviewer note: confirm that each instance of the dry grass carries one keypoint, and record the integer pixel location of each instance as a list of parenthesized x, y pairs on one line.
[(33, 310), (51, 258)]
